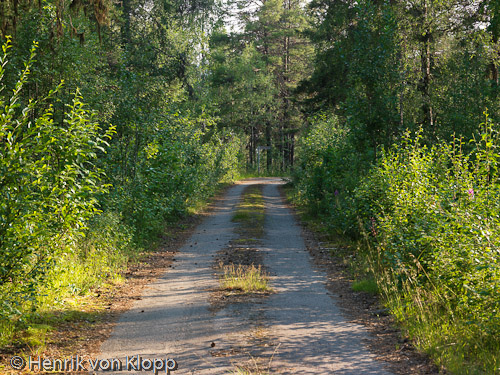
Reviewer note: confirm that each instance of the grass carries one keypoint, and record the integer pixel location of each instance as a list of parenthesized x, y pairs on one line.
[(36, 337), (95, 263), (256, 370), (441, 329), (243, 371), (247, 279), (241, 270), (366, 285), (242, 275), (250, 214), (435, 327)]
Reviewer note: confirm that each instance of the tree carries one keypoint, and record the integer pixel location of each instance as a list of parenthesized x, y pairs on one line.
[(272, 35)]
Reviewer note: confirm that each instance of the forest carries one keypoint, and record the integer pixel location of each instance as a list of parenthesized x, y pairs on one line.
[(119, 117)]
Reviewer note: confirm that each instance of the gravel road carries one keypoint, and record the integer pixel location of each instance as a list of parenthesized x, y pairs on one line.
[(297, 330)]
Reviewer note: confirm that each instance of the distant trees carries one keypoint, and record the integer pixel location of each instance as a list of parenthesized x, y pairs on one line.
[(273, 32)]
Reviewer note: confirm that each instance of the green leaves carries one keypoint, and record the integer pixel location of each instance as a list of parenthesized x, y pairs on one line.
[(48, 182), (430, 216)]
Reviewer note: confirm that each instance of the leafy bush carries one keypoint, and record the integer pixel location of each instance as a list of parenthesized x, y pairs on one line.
[(431, 215), (438, 225), (328, 170), (48, 183), (181, 163)]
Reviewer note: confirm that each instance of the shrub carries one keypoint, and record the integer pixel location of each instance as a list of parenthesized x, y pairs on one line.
[(48, 183), (180, 165), (329, 168), (431, 217), (437, 242)]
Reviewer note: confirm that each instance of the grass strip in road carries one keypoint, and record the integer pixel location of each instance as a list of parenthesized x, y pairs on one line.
[(241, 264), (250, 214), (243, 280), (247, 279)]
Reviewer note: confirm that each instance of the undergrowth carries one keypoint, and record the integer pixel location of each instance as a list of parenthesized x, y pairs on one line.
[(93, 262), (428, 220)]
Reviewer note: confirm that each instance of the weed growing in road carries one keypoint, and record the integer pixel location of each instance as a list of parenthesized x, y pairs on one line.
[(251, 214), (256, 370), (248, 279), (242, 371)]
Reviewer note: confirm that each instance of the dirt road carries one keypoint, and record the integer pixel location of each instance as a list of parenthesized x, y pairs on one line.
[(297, 330)]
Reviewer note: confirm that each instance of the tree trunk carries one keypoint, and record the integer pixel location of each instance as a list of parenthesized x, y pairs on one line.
[(426, 71), (269, 150)]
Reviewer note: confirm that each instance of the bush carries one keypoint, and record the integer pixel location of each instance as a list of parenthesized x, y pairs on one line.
[(180, 165), (437, 242), (431, 217), (328, 170), (48, 183)]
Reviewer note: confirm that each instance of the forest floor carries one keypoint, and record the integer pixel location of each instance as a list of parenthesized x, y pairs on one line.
[(308, 321)]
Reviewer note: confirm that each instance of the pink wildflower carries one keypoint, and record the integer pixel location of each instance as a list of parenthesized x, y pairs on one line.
[(471, 193)]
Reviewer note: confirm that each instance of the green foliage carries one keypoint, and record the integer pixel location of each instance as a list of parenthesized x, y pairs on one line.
[(180, 164), (438, 220), (437, 231), (367, 286), (430, 215), (328, 170), (48, 182), (383, 67), (93, 261), (135, 70)]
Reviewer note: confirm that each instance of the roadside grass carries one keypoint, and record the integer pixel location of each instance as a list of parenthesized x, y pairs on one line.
[(59, 311), (424, 315), (92, 263), (247, 279), (36, 337), (199, 205), (366, 285), (438, 328)]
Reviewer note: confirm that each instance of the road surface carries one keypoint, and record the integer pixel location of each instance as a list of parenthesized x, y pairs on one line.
[(299, 329)]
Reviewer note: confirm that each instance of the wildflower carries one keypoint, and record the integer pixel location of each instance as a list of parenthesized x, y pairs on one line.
[(373, 226), (471, 193), (336, 192)]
